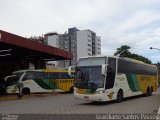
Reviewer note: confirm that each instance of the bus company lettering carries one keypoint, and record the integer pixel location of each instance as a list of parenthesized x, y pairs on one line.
[(66, 81), (145, 78)]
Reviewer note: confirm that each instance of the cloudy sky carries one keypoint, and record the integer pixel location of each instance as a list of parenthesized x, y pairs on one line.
[(119, 22)]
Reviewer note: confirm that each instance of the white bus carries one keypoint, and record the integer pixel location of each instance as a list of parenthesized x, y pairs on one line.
[(39, 81), (106, 78)]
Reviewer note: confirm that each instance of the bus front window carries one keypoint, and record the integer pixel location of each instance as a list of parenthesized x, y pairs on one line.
[(13, 79), (89, 77)]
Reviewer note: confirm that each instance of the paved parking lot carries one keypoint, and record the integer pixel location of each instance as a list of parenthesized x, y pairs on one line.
[(66, 104)]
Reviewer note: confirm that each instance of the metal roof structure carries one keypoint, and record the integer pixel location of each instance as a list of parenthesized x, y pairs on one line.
[(16, 46)]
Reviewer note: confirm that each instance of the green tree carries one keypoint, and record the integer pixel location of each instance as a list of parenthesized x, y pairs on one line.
[(124, 51), (139, 57)]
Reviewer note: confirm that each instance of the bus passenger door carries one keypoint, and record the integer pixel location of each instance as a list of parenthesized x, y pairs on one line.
[(111, 71)]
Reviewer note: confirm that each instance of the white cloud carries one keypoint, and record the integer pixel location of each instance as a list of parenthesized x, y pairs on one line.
[(118, 22)]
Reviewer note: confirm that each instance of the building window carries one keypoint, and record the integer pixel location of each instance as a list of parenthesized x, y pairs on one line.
[(89, 49), (89, 36), (89, 45)]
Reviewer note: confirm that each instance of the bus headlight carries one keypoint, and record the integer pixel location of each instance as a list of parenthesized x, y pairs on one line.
[(100, 91)]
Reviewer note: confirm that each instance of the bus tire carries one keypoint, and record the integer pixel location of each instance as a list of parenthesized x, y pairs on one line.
[(119, 96), (26, 91), (149, 92), (71, 90)]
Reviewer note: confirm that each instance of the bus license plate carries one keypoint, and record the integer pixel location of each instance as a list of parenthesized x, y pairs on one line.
[(86, 97)]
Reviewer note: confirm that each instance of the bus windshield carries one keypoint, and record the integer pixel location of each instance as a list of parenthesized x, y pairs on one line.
[(89, 77), (13, 79), (91, 61)]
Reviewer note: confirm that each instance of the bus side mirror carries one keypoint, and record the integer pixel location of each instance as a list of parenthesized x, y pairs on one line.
[(104, 69), (13, 76), (70, 70)]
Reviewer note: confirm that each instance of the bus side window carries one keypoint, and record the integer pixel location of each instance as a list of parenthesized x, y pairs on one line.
[(56, 75), (66, 76), (60, 76), (50, 75), (40, 75), (29, 75)]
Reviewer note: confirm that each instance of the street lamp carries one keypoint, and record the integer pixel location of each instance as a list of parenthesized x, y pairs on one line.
[(154, 48), (119, 55)]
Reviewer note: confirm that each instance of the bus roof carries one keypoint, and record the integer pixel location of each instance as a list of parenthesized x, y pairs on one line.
[(27, 70), (123, 58), (136, 61), (55, 70), (98, 56), (42, 70)]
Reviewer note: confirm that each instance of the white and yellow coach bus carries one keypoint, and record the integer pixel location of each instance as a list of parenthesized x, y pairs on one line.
[(39, 81), (106, 78)]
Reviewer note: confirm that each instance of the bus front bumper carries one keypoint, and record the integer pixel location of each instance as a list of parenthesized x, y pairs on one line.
[(11, 89), (91, 97)]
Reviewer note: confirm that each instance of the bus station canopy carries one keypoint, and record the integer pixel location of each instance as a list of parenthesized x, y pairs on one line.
[(14, 46)]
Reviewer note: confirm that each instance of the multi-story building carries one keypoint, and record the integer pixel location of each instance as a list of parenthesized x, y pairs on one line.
[(64, 44), (52, 39), (88, 44), (72, 33), (79, 42), (98, 45)]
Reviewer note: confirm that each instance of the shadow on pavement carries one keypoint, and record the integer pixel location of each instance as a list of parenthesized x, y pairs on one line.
[(114, 102)]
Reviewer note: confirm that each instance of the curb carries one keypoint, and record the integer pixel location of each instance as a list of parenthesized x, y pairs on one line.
[(12, 97), (15, 97)]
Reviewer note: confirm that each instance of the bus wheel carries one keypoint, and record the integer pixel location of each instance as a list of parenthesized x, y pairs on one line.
[(26, 91), (71, 90), (149, 92), (119, 96)]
